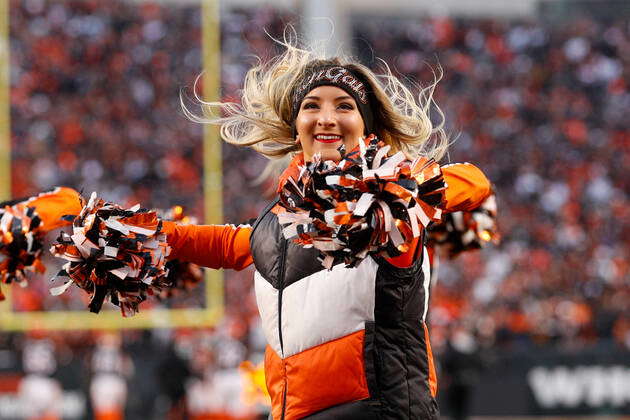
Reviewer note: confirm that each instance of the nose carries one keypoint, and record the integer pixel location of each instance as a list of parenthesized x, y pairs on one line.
[(326, 118)]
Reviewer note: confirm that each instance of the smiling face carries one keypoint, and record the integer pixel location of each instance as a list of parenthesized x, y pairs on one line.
[(328, 117)]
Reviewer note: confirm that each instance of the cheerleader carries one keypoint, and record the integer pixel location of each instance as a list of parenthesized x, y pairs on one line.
[(348, 341)]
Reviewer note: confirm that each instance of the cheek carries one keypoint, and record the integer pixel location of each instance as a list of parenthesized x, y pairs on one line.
[(355, 126), (302, 124)]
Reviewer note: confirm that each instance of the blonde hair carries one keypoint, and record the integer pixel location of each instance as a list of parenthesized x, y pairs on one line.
[(263, 119)]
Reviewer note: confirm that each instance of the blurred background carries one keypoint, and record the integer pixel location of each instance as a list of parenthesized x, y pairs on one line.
[(534, 92)]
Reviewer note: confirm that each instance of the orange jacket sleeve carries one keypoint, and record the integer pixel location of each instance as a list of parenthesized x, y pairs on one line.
[(467, 187), (213, 246), (52, 205)]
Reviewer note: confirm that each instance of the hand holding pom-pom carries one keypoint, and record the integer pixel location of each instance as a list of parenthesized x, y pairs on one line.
[(182, 275), (466, 230), (114, 253), (21, 243), (24, 224), (369, 202)]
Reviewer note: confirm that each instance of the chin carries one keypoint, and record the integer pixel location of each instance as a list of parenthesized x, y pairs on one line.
[(330, 154)]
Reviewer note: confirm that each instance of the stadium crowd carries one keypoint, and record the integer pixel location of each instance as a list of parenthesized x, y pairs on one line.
[(540, 107)]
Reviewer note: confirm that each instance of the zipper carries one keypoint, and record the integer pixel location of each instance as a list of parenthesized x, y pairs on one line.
[(283, 251), (283, 255), (284, 398)]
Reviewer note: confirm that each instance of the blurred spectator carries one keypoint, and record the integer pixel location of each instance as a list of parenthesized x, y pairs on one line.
[(461, 368), (218, 389), (40, 394), (110, 368), (173, 372)]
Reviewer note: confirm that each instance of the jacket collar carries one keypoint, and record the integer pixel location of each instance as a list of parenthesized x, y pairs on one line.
[(293, 170)]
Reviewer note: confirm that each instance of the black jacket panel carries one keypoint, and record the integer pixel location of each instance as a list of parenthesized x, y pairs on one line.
[(266, 242)]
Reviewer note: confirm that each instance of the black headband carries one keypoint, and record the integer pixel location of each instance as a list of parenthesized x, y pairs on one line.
[(351, 82)]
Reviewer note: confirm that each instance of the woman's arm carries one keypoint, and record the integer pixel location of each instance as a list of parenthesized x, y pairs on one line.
[(213, 246)]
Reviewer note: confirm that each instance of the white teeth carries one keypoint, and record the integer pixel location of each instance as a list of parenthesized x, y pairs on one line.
[(327, 137)]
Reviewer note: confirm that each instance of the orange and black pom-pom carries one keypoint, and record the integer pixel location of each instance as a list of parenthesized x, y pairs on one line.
[(368, 203), (21, 243), (114, 254)]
